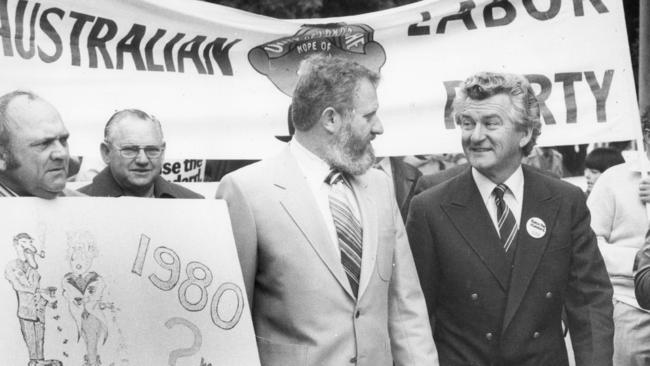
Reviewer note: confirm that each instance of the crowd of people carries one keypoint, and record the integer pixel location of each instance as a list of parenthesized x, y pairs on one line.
[(351, 259)]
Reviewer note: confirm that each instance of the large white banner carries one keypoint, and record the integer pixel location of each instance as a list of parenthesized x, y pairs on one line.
[(120, 282), (221, 80)]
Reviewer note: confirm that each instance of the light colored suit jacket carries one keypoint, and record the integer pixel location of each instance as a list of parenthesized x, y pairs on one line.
[(303, 309)]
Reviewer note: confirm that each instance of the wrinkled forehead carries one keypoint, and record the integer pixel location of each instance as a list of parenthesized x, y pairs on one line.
[(132, 130), (33, 119), (365, 96), (499, 104)]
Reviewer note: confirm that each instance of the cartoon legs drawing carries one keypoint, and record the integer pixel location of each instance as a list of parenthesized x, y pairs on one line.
[(25, 279), (33, 334), (92, 330)]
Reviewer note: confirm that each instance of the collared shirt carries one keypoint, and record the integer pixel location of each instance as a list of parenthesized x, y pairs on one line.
[(6, 191), (384, 165), (315, 170), (513, 196)]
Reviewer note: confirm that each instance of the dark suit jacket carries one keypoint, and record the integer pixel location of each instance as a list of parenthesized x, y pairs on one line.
[(431, 180), (485, 311), (405, 178), (104, 185)]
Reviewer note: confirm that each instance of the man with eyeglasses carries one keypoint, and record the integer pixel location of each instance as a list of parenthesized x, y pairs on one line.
[(133, 150), (34, 152)]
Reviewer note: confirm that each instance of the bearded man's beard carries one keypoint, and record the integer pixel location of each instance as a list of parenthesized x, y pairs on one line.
[(350, 154)]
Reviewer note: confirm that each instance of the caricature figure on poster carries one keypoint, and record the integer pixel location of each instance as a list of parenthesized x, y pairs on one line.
[(84, 290), (33, 302)]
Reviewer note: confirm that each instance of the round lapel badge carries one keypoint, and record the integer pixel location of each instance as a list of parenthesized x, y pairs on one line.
[(536, 227)]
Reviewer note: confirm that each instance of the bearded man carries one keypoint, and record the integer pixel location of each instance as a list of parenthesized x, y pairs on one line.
[(327, 266)]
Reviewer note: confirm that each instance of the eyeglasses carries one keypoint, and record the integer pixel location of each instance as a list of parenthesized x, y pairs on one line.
[(131, 151)]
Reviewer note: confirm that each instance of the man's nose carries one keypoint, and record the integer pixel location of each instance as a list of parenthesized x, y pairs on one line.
[(60, 151), (377, 127), (478, 133), (142, 157)]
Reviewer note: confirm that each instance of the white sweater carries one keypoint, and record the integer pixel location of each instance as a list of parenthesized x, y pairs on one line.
[(619, 220)]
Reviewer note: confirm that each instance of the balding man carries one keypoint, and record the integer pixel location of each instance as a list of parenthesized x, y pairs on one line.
[(34, 152), (134, 150)]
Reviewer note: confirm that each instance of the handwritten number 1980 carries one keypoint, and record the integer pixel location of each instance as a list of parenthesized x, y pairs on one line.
[(198, 275)]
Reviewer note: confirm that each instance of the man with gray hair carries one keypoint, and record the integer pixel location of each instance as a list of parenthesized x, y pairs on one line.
[(34, 152), (501, 248), (326, 263), (134, 150)]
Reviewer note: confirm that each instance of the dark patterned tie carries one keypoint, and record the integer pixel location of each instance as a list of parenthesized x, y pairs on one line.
[(348, 227), (505, 218)]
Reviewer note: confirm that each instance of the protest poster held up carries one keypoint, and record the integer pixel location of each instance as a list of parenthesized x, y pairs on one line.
[(122, 282)]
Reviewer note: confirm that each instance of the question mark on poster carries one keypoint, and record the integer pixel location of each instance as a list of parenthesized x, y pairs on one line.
[(184, 352)]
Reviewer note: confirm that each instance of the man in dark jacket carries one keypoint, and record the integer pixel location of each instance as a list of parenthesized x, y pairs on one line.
[(501, 249), (133, 150)]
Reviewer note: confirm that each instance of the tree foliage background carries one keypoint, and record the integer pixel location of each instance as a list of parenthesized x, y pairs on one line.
[(295, 9)]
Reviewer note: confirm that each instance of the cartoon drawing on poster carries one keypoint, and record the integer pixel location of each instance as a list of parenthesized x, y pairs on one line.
[(33, 301), (83, 291), (115, 296)]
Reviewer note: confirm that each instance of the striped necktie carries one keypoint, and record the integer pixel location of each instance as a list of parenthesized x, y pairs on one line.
[(348, 227), (505, 219)]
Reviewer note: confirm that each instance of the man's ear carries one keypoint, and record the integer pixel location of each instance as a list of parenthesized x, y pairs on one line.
[(104, 150), (528, 134), (330, 119)]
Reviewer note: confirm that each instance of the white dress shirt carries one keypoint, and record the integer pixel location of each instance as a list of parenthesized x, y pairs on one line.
[(513, 196), (6, 191), (385, 166), (315, 170)]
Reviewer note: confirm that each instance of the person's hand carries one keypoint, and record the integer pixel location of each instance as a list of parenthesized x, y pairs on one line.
[(644, 190)]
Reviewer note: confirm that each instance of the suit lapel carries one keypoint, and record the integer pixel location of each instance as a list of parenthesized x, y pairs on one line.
[(538, 202), (300, 204), (369, 222), (468, 214), (404, 180)]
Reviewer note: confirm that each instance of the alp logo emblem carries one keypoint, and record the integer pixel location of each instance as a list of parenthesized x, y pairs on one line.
[(279, 60)]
